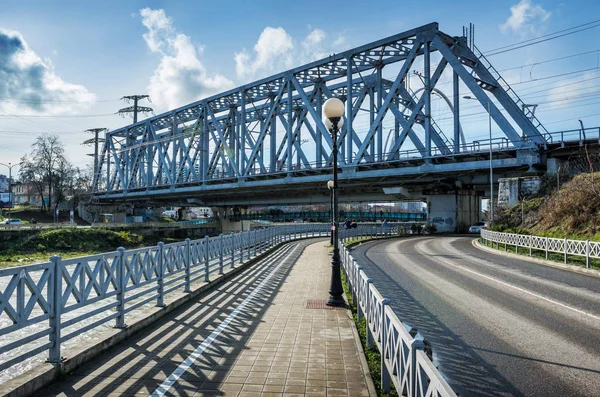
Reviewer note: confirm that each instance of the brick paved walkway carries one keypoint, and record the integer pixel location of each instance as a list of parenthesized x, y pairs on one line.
[(264, 333)]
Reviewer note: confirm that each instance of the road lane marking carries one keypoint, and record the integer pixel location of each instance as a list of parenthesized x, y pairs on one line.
[(521, 290), (197, 353)]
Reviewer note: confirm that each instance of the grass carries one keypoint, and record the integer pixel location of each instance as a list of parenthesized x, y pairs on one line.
[(12, 259), (70, 243), (552, 256), (372, 354)]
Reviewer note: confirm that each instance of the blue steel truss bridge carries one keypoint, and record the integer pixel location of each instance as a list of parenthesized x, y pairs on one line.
[(265, 142)]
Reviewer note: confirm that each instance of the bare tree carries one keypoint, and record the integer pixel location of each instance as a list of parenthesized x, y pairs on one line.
[(31, 173), (43, 164), (63, 179)]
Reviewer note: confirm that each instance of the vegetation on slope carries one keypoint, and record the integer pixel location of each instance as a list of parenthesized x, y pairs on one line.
[(72, 243), (572, 211)]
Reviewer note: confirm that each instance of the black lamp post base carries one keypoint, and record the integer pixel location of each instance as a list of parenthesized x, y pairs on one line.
[(336, 301), (336, 290)]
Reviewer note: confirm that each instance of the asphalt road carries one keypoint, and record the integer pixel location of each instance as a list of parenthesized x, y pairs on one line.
[(498, 326)]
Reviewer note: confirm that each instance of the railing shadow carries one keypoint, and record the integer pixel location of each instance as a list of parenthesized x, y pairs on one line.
[(143, 362), (466, 372)]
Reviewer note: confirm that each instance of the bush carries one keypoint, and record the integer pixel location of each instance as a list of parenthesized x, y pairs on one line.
[(82, 240), (430, 229)]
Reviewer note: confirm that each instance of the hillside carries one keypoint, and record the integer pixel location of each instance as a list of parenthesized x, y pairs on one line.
[(573, 211)]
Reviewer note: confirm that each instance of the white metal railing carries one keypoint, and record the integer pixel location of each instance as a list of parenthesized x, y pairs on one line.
[(44, 305), (582, 248), (404, 361)]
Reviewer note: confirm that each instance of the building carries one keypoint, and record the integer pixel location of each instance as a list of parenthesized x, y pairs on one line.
[(3, 183), (27, 194)]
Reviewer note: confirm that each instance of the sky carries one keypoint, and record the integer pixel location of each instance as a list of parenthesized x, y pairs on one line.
[(65, 65)]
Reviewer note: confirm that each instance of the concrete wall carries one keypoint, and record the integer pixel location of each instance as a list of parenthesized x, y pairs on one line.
[(468, 208), (510, 190), (442, 212), (93, 213), (228, 226), (454, 213)]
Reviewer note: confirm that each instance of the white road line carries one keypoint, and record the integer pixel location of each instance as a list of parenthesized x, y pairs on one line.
[(521, 290), (197, 353)]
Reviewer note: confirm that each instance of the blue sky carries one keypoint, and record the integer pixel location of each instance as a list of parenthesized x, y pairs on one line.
[(85, 55)]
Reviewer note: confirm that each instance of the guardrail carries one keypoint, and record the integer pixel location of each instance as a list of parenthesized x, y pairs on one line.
[(153, 225), (404, 361), (42, 306), (583, 248), (38, 226)]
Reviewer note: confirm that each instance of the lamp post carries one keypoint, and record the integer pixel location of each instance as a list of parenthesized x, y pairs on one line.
[(491, 167), (330, 187), (10, 167), (333, 112)]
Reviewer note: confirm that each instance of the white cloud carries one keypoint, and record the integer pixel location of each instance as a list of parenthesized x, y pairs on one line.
[(313, 46), (29, 84), (573, 91), (272, 53), (180, 78), (275, 52), (525, 18)]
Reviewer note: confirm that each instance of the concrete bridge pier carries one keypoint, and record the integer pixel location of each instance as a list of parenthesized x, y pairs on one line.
[(227, 225), (454, 213)]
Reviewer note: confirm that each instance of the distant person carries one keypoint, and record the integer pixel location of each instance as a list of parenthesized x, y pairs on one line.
[(33, 221), (353, 224), (384, 224)]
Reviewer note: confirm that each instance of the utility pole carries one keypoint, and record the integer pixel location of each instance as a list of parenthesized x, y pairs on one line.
[(95, 140), (135, 109)]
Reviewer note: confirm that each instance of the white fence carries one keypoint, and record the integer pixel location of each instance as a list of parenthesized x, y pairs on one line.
[(46, 306), (582, 248), (404, 361)]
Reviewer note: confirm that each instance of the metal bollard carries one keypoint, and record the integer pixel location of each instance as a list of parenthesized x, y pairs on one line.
[(587, 254), (206, 259), (188, 264), (160, 300), (221, 253), (385, 375), (122, 283), (232, 249), (55, 296)]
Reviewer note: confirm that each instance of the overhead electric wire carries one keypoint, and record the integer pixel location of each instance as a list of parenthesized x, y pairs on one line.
[(574, 118), (29, 100), (61, 116), (544, 38), (551, 60)]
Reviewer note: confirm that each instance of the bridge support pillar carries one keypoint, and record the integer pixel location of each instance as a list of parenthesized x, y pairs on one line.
[(553, 166), (454, 213), (228, 226)]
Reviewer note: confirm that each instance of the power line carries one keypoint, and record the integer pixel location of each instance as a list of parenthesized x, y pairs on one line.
[(95, 141), (29, 100), (541, 39), (135, 109), (551, 60), (57, 116)]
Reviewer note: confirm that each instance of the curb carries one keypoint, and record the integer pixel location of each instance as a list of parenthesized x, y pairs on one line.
[(361, 354), (44, 374), (539, 261)]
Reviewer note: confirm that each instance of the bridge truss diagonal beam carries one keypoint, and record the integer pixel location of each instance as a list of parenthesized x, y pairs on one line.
[(272, 128)]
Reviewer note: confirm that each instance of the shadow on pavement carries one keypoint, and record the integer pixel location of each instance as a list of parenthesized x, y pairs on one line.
[(143, 362), (466, 372)]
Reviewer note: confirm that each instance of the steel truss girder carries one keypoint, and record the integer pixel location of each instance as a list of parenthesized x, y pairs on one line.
[(225, 137)]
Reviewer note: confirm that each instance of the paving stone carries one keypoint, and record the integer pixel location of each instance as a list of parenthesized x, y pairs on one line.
[(275, 347)]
